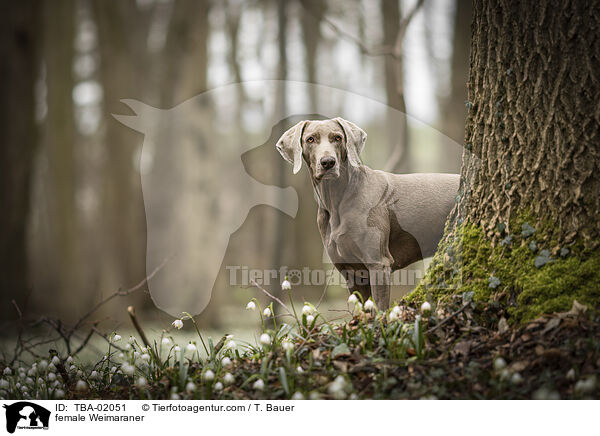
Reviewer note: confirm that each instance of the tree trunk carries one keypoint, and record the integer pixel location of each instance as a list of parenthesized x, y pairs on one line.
[(454, 110), (397, 127), (122, 35), (57, 268), (18, 73), (526, 229)]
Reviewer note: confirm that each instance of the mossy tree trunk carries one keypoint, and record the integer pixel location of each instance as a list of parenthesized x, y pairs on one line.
[(526, 222)]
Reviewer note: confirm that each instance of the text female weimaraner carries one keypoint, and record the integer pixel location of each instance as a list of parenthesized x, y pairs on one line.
[(371, 222)]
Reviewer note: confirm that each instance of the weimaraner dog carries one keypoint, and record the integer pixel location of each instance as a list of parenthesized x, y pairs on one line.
[(371, 222)]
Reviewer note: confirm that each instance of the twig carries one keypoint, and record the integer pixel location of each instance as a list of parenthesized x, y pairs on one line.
[(120, 293), (438, 325), (86, 340), (253, 283), (138, 327)]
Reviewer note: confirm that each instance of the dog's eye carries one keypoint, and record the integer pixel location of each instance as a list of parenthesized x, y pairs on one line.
[(310, 139), (337, 138)]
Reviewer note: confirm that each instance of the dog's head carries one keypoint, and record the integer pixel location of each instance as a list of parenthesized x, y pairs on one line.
[(326, 146)]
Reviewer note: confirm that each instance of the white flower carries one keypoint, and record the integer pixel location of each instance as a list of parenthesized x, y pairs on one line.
[(116, 338), (359, 305), (28, 380), (306, 309), (297, 396), (499, 364), (208, 375), (7, 371), (226, 362), (79, 373), (42, 365), (132, 339), (231, 345), (113, 370), (141, 382), (121, 356), (309, 319), (51, 368), (190, 387), (4, 384), (73, 368), (267, 312), (299, 370), (369, 305), (287, 345), (397, 310), (516, 378), (55, 360), (336, 388), (144, 350), (586, 386), (218, 386), (265, 339), (128, 347), (136, 355), (175, 396), (94, 375), (425, 307), (59, 394), (81, 386), (69, 360), (166, 341), (259, 385), (176, 348), (251, 305), (286, 285), (178, 324), (128, 369), (393, 316), (571, 374), (145, 357), (228, 378), (51, 377), (190, 347), (31, 372), (352, 299)]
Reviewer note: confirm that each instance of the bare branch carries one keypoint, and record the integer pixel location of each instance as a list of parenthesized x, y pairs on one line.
[(120, 293), (253, 283)]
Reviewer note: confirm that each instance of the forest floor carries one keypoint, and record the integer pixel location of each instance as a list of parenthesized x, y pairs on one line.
[(460, 351)]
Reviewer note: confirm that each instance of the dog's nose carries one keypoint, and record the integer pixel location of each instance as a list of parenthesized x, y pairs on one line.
[(327, 162)]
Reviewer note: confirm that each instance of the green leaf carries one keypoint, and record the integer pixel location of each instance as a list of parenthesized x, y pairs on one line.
[(283, 380), (340, 350)]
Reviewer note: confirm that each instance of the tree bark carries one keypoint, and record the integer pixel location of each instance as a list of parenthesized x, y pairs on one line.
[(19, 25), (454, 109), (535, 116), (526, 224)]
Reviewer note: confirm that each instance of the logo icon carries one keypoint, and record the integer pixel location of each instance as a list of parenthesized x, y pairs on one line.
[(26, 415)]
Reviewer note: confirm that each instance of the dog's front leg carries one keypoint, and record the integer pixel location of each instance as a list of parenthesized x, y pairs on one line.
[(380, 276)]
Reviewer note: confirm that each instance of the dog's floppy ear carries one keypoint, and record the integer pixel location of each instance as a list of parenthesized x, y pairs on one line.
[(290, 145), (355, 140)]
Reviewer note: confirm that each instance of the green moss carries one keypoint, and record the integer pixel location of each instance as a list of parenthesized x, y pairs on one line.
[(468, 262)]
